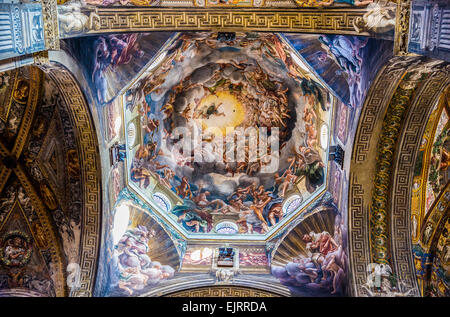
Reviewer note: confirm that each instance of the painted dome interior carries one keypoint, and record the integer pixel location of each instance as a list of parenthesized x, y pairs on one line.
[(204, 124)]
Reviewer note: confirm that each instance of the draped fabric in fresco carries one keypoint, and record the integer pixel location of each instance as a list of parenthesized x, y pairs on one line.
[(348, 64)]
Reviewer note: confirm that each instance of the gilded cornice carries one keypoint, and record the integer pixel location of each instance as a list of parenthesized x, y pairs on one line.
[(143, 19), (222, 291)]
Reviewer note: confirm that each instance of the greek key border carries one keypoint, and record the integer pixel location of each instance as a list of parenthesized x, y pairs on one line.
[(363, 155), (222, 291), (408, 148), (90, 173)]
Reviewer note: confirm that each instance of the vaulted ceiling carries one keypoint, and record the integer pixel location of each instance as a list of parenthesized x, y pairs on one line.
[(104, 192), (41, 192)]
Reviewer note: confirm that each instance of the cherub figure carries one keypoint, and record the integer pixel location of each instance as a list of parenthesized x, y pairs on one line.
[(184, 189), (287, 180)]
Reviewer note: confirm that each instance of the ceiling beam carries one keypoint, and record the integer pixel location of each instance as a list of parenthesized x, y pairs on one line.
[(145, 19)]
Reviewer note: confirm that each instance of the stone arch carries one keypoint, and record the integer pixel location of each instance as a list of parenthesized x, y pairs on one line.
[(223, 291), (191, 284), (388, 133)]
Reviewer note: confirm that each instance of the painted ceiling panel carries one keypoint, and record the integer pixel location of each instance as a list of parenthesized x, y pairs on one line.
[(111, 62), (348, 64), (220, 90)]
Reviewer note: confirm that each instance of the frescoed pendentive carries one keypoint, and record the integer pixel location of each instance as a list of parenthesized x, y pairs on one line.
[(233, 127), (313, 259), (111, 61), (348, 64), (25, 261)]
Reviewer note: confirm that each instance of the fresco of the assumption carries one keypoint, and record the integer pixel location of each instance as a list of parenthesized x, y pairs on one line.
[(233, 127)]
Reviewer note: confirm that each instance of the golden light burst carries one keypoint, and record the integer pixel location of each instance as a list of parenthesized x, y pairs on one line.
[(229, 113)]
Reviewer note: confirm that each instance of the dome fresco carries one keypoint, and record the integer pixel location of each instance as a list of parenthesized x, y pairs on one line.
[(224, 148), (228, 129)]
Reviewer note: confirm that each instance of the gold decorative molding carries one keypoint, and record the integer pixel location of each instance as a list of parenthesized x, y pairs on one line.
[(25, 125), (50, 233), (222, 291), (392, 124), (50, 18), (418, 198), (90, 175), (41, 59), (402, 28), (35, 89), (239, 3), (330, 21), (438, 214), (4, 175), (87, 144), (403, 178), (393, 211), (28, 115), (362, 168)]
